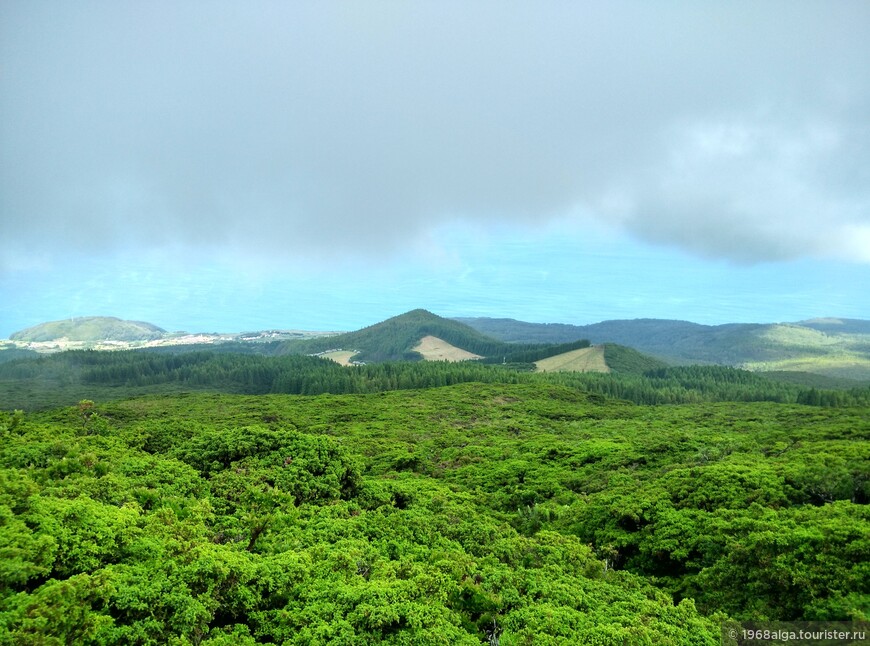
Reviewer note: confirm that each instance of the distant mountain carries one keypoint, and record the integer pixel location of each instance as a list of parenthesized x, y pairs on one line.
[(837, 326), (833, 347), (90, 329)]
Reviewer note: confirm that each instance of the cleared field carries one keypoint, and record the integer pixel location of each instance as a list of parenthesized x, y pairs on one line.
[(434, 349), (341, 357), (589, 359)]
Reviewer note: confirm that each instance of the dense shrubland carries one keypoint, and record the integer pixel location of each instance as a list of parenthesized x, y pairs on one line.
[(475, 513)]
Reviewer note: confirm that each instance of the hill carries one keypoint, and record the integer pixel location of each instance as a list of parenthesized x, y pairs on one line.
[(90, 329), (64, 378), (838, 326), (395, 338), (399, 338), (837, 348)]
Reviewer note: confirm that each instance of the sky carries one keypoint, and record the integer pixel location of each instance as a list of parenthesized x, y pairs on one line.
[(233, 166)]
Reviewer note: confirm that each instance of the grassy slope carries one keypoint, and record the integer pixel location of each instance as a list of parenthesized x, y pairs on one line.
[(341, 357), (431, 348), (589, 359), (803, 349)]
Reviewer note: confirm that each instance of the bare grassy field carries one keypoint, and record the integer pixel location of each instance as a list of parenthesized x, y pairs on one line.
[(341, 357), (434, 349), (589, 359)]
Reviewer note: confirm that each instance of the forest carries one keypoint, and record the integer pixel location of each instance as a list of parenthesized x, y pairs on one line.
[(219, 498), (64, 378)]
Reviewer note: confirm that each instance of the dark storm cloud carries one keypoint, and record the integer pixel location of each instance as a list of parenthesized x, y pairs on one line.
[(734, 130)]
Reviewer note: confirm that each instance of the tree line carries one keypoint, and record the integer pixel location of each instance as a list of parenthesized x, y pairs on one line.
[(54, 379)]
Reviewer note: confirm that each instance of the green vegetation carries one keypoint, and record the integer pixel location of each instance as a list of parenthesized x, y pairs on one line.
[(238, 496), (65, 378), (395, 338), (812, 380), (11, 353), (530, 354), (510, 514), (90, 329), (833, 347), (628, 360)]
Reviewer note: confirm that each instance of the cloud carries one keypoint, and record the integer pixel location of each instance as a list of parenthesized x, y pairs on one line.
[(736, 130), (754, 188)]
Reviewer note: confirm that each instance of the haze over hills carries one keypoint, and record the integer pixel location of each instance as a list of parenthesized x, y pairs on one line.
[(413, 336), (90, 329), (109, 332), (836, 348), (832, 347)]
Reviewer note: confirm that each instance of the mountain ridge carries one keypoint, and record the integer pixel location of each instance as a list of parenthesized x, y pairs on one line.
[(838, 348), (832, 347)]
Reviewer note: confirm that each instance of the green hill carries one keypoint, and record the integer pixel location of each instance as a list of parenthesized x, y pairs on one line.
[(90, 329), (395, 339), (838, 326), (838, 348)]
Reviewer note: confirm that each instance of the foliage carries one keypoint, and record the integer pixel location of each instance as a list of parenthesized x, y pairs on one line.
[(622, 359), (68, 377), (395, 338), (530, 355), (833, 347), (474, 513), (11, 353)]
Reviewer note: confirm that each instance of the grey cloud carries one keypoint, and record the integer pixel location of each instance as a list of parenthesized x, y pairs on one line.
[(735, 131)]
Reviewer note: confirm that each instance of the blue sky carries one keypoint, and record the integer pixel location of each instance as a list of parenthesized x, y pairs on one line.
[(227, 166), (554, 274)]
